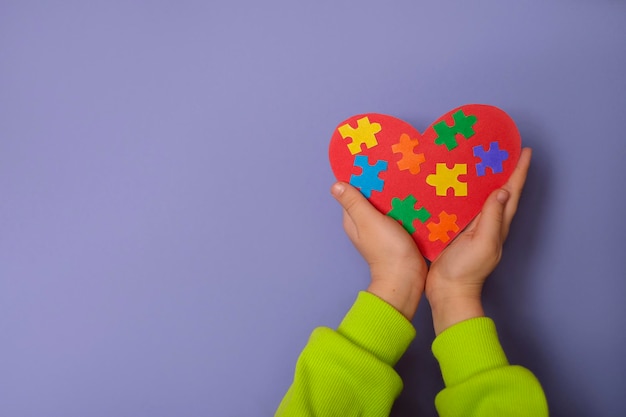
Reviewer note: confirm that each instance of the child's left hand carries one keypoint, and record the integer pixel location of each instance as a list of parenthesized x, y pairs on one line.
[(398, 269)]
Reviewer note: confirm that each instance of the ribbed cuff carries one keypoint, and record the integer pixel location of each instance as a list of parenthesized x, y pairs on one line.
[(468, 348), (378, 328)]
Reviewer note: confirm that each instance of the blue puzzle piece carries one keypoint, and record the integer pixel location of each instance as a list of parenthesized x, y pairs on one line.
[(368, 181), (491, 158)]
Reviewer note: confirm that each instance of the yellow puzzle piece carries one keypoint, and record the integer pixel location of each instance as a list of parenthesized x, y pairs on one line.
[(446, 178)]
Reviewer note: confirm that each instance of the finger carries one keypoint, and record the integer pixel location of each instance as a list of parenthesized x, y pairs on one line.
[(514, 186), (492, 216), (472, 224), (349, 226), (353, 202)]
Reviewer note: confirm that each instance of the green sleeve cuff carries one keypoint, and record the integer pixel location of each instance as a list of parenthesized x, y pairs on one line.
[(377, 327), (468, 348)]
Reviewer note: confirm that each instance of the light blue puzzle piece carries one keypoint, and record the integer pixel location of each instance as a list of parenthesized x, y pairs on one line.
[(368, 181)]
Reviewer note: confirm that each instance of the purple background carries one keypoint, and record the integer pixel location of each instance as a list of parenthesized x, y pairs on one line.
[(167, 238)]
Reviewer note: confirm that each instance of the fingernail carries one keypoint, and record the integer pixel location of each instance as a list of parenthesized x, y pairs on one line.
[(337, 189), (502, 196)]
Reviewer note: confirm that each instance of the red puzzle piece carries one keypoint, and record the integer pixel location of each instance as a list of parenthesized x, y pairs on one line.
[(453, 188)]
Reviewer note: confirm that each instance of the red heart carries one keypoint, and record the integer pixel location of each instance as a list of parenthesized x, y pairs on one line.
[(434, 183)]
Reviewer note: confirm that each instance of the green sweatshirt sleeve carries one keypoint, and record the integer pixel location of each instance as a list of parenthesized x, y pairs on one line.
[(349, 372), (478, 378)]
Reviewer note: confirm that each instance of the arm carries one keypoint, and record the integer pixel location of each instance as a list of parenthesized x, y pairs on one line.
[(349, 371), (478, 378)]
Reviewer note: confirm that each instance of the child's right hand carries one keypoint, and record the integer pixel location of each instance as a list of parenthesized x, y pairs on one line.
[(455, 280), (397, 267)]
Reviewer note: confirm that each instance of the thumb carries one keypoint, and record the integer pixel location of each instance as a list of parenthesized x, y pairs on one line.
[(353, 202), (492, 215)]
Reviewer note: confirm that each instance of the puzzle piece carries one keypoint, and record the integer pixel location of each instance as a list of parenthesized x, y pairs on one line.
[(410, 160), (463, 125), (448, 178), (364, 134), (439, 231), (368, 180), (405, 212), (491, 158)]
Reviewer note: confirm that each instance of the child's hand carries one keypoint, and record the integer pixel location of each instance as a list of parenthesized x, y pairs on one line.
[(397, 267), (456, 277)]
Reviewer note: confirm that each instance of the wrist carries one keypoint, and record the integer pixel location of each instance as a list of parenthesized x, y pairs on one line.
[(402, 294), (400, 284), (450, 309)]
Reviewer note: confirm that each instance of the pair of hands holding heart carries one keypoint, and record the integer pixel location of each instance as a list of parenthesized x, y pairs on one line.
[(453, 284)]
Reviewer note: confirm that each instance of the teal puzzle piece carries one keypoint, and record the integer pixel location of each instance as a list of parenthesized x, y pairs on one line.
[(368, 180)]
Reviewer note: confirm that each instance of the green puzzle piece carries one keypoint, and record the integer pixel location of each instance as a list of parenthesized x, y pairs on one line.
[(405, 212), (463, 125)]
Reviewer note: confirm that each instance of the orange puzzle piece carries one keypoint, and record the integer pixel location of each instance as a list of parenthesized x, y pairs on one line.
[(439, 231), (410, 160)]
